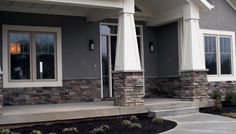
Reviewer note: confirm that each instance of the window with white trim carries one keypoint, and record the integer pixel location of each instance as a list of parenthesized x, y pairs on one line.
[(219, 54), (33, 56)]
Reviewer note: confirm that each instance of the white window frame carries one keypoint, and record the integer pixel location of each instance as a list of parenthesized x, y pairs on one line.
[(7, 83), (218, 33)]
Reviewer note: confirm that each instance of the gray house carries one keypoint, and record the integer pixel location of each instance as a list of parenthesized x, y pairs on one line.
[(68, 51)]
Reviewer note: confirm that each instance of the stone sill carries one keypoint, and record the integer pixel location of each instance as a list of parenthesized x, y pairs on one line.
[(128, 71)]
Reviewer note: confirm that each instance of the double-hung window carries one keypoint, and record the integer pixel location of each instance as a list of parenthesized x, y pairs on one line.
[(219, 54), (31, 56)]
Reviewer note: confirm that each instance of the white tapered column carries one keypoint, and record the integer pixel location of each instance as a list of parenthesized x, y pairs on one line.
[(128, 76), (127, 53), (192, 47)]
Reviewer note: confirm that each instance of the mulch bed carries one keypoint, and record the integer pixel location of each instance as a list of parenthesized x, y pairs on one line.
[(148, 127), (225, 109)]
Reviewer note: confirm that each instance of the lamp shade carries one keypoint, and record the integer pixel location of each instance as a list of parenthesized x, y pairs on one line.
[(15, 48)]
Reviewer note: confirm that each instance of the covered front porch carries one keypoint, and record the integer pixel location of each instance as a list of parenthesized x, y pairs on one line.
[(56, 89)]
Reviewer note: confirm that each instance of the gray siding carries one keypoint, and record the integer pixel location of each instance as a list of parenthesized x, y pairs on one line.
[(165, 60), (78, 61), (222, 17)]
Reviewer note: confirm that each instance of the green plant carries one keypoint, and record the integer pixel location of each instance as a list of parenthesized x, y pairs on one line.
[(100, 130), (126, 123), (133, 118), (105, 127), (68, 130), (230, 98), (216, 95), (36, 132), (135, 125), (157, 120), (5, 131)]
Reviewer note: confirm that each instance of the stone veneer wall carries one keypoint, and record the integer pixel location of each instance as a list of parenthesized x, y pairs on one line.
[(72, 91), (194, 85), (128, 88), (223, 86), (158, 87)]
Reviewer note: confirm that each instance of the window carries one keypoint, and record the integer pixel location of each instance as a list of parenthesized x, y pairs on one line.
[(33, 55), (219, 54)]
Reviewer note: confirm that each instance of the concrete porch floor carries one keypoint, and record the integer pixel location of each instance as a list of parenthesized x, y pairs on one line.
[(82, 110)]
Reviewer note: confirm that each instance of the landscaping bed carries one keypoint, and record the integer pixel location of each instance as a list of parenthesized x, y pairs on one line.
[(227, 110), (139, 124)]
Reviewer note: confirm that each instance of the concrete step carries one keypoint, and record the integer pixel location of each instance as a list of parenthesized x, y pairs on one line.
[(171, 105), (173, 112)]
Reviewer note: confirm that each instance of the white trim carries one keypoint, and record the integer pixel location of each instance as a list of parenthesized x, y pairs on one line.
[(219, 33), (9, 84), (232, 3)]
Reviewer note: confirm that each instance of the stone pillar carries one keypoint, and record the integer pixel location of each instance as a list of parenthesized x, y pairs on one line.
[(1, 96), (194, 85), (128, 88)]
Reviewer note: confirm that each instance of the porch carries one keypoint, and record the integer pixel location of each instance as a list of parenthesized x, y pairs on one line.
[(83, 110), (72, 71)]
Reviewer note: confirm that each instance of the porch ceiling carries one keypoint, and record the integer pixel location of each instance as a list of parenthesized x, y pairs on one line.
[(93, 13)]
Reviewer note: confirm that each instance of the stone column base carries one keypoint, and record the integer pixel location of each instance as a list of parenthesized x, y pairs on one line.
[(128, 88), (194, 85)]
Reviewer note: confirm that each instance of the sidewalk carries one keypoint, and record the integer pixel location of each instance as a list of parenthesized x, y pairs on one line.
[(203, 124)]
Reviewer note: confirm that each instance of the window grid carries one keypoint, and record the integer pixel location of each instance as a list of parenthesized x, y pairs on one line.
[(219, 54)]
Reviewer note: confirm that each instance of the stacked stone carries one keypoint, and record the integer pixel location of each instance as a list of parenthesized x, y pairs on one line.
[(71, 91), (194, 85), (162, 87), (128, 88), (223, 86)]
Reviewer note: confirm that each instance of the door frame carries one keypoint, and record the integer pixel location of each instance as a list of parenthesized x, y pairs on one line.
[(109, 47)]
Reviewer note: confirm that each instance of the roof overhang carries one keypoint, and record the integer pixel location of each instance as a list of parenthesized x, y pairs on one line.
[(204, 5), (232, 3)]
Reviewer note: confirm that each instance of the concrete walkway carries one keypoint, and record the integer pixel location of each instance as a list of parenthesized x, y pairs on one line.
[(203, 124)]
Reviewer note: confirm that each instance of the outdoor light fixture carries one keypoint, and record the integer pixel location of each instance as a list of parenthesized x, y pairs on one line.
[(151, 47), (91, 45)]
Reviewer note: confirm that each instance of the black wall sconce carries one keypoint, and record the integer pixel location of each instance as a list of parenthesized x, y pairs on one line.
[(151, 47), (91, 45)]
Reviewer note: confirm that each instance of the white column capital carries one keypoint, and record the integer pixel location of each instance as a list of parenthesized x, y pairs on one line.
[(191, 10), (129, 6)]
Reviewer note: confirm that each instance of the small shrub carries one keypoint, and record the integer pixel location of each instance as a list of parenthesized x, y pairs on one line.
[(126, 123), (157, 120), (218, 105), (105, 127), (135, 125), (216, 95), (5, 131), (133, 118), (70, 130), (100, 130), (230, 98), (36, 132)]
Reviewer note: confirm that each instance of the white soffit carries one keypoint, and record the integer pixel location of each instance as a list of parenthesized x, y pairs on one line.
[(232, 3)]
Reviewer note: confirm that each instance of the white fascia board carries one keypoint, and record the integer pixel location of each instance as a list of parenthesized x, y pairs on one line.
[(87, 3), (203, 5), (232, 3)]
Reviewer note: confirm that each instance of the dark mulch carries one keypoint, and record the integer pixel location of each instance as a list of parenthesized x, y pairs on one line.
[(225, 109), (148, 127)]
